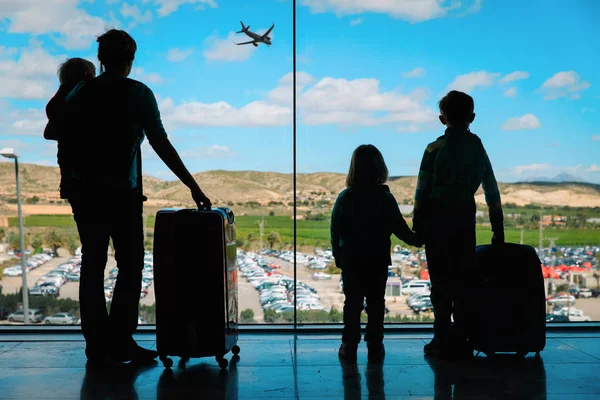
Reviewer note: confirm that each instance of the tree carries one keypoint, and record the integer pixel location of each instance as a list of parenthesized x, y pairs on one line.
[(247, 316), (14, 240), (273, 238), (2, 234), (54, 240), (72, 244), (37, 242), (271, 213)]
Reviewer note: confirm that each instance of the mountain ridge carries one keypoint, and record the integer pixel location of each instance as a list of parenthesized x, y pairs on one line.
[(277, 188)]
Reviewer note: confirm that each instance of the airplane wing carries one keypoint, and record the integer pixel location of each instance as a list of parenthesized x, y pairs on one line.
[(269, 31), (250, 42)]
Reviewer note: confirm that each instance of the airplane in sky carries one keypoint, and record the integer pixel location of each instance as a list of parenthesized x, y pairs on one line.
[(256, 37)]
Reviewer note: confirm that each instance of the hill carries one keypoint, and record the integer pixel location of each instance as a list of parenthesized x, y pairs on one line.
[(265, 187)]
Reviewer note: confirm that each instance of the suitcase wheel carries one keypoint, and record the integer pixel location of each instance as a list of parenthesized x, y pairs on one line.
[(235, 350), (223, 363), (167, 362)]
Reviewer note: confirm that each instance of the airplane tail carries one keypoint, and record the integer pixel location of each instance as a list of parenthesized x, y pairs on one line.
[(244, 28)]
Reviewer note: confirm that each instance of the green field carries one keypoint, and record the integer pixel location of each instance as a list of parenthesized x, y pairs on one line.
[(310, 233)]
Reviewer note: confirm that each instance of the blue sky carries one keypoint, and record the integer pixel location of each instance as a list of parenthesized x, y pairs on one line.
[(369, 72)]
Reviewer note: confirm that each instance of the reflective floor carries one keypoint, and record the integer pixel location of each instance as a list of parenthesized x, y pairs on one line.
[(305, 367)]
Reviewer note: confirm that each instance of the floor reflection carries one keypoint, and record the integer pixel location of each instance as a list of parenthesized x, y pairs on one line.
[(351, 379), (504, 377), (117, 382), (202, 381)]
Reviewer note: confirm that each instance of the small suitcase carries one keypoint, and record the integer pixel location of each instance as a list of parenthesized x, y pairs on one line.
[(195, 282), (508, 306)]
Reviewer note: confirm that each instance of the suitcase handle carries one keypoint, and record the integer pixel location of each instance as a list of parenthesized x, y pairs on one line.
[(230, 216)]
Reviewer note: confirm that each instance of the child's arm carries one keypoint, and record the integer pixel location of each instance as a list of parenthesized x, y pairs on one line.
[(335, 232), (54, 110), (423, 189), (492, 199), (400, 227)]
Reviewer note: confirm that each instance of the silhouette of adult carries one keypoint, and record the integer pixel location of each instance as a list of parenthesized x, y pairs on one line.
[(106, 120)]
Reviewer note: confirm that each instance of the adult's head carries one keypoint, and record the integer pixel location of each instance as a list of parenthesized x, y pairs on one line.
[(457, 109), (75, 70), (367, 167), (116, 52)]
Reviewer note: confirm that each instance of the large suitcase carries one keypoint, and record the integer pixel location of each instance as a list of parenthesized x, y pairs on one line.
[(195, 282), (508, 306)]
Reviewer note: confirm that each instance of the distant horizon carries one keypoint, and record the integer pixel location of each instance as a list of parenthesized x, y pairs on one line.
[(544, 180)]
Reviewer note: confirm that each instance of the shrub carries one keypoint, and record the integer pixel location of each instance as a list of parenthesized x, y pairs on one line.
[(247, 316)]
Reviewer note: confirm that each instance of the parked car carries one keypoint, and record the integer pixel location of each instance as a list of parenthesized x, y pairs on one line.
[(585, 293), (3, 314), (61, 319), (34, 316), (319, 276), (562, 299), (415, 286)]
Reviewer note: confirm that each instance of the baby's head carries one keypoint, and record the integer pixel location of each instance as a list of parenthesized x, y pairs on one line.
[(457, 109), (75, 70), (367, 167)]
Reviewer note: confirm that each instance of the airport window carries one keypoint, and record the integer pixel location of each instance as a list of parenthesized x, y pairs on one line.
[(223, 75)]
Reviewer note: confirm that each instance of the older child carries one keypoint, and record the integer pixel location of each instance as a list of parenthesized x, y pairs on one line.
[(452, 169), (364, 217)]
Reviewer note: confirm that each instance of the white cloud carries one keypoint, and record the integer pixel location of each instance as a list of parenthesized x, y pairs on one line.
[(167, 7), (66, 23), (22, 122), (593, 168), (177, 55), (596, 138), (468, 82), (221, 114), (302, 79), (135, 14), (563, 84), (408, 10), (527, 121), (415, 73), (8, 51), (32, 75), (360, 102), (510, 92), (356, 22), (529, 168), (140, 75), (214, 151), (514, 76), (226, 49), (588, 110)]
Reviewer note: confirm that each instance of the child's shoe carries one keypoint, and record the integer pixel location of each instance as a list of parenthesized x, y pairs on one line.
[(348, 351)]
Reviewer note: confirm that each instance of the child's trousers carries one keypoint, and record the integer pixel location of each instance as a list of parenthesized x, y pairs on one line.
[(361, 283)]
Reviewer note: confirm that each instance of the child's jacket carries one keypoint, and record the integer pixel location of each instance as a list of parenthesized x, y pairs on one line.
[(363, 219)]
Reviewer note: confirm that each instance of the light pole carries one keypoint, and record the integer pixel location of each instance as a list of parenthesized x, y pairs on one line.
[(11, 154)]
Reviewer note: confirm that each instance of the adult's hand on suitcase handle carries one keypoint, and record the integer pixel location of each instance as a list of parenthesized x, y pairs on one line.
[(202, 202), (498, 237)]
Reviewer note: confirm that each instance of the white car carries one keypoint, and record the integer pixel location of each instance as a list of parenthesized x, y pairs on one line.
[(61, 319), (415, 286), (13, 271), (318, 276), (585, 293), (562, 300)]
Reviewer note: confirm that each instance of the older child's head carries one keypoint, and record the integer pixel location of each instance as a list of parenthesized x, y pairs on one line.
[(75, 70), (367, 167), (457, 109)]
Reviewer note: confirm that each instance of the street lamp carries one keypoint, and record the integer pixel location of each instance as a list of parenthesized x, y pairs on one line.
[(10, 153)]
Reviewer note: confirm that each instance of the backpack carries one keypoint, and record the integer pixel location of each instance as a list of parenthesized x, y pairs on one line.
[(101, 137), (458, 170)]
